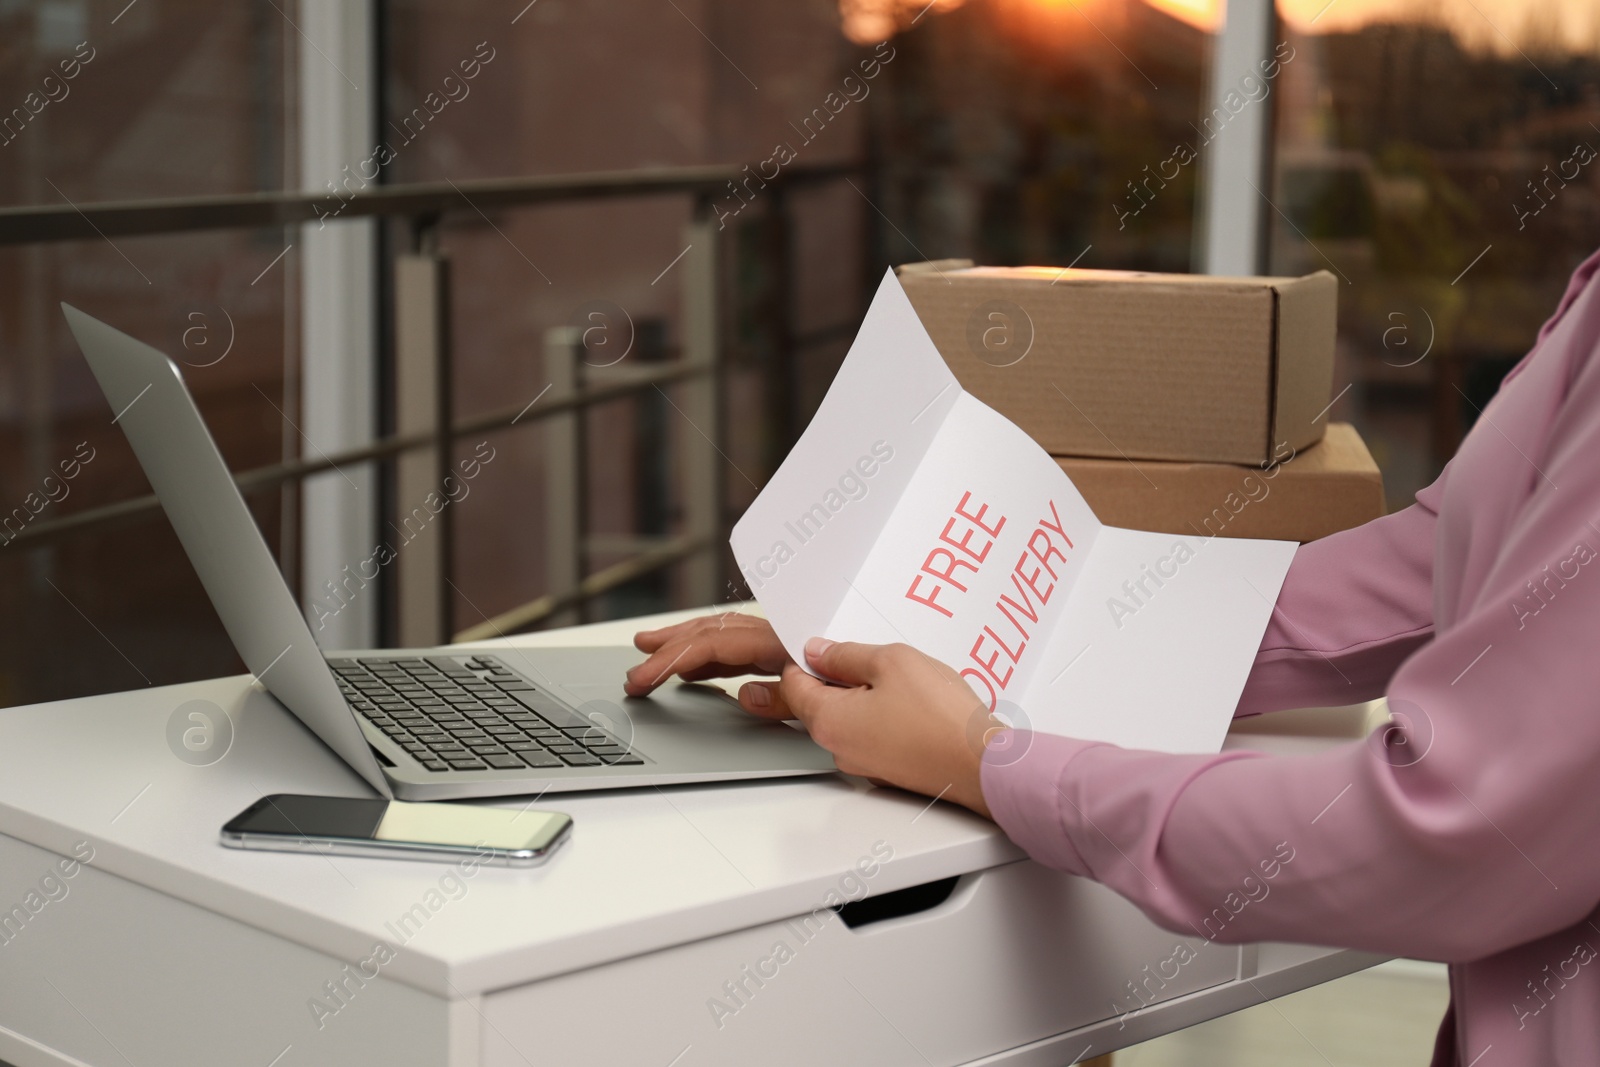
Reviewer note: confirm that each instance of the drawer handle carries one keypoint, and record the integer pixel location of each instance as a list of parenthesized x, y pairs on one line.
[(897, 904)]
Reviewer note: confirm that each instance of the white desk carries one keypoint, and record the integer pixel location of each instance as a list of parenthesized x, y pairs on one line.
[(166, 949)]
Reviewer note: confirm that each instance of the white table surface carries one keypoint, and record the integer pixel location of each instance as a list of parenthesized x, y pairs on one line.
[(646, 868)]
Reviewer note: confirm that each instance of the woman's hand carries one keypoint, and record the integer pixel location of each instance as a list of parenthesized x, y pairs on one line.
[(906, 719), (717, 646)]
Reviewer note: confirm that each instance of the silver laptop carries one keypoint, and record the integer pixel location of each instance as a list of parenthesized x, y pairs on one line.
[(426, 724)]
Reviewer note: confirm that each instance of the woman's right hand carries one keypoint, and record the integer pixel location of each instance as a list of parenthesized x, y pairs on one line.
[(716, 646)]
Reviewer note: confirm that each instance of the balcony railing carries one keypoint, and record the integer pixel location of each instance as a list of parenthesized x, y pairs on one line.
[(421, 364)]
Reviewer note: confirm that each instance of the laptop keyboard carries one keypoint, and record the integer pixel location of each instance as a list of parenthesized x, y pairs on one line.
[(473, 715)]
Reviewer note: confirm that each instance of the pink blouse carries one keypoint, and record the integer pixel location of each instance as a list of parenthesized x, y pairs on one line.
[(1466, 831)]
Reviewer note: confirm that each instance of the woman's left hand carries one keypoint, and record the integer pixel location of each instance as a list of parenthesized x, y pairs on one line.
[(906, 719)]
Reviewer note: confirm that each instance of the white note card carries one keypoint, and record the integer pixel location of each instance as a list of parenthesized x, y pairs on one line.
[(910, 511)]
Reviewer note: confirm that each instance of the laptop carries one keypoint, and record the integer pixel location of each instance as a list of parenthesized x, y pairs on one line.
[(421, 724)]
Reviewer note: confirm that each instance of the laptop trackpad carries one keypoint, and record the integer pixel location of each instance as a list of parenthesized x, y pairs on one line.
[(591, 680)]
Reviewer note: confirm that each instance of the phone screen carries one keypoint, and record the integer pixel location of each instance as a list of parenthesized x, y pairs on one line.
[(397, 821)]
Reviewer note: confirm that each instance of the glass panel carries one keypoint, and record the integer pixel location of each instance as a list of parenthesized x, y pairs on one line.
[(1007, 131), (1026, 131), (1436, 157), (169, 98), (573, 88)]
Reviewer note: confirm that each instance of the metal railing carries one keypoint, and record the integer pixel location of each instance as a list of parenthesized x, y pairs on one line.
[(421, 200), (425, 429)]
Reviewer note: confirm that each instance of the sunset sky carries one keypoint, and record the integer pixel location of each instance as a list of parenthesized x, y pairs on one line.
[(1493, 24), (1536, 27)]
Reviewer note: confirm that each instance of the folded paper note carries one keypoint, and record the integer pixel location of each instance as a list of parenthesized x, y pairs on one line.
[(911, 512)]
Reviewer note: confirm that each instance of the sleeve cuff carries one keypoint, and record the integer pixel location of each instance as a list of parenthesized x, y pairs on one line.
[(1020, 776)]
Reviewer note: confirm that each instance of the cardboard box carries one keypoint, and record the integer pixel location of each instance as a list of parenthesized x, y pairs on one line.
[(1137, 365), (1331, 486)]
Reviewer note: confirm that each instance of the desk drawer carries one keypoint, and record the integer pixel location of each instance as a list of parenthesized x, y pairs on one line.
[(1016, 953), (96, 969)]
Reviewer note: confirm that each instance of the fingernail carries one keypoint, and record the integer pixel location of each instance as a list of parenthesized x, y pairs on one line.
[(817, 646), (756, 695)]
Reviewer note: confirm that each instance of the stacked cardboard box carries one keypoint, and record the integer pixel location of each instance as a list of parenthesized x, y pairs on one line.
[(1178, 403), (1306, 494)]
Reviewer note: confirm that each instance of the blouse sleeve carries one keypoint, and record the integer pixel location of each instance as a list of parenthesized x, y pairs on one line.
[(1353, 606), (1464, 828)]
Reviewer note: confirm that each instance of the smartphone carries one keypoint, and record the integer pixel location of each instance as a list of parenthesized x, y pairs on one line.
[(356, 826)]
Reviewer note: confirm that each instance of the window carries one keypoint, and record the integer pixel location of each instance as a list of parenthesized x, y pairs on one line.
[(1437, 158), (1440, 160), (168, 99)]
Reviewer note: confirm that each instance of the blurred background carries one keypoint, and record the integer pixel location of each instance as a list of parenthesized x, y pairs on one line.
[(698, 198)]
